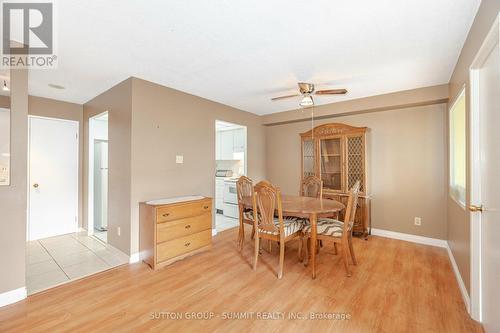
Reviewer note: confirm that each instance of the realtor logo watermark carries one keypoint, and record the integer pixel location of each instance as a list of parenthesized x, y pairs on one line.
[(28, 35)]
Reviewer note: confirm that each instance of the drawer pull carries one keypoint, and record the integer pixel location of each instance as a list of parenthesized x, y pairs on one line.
[(188, 226), (166, 214), (205, 207), (187, 244)]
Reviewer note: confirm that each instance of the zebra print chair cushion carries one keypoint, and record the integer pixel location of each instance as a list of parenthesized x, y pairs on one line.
[(248, 215), (328, 227), (291, 225)]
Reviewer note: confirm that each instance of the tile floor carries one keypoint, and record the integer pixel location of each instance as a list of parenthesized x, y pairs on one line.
[(223, 222), (102, 235), (56, 260)]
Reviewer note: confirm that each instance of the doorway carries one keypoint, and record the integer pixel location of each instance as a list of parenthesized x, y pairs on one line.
[(98, 177), (53, 177), (231, 163), (485, 185), (101, 189), (56, 252)]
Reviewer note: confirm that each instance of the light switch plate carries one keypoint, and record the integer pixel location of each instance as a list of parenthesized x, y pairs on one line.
[(179, 159)]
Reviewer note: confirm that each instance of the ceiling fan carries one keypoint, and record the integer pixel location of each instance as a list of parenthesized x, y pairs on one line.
[(306, 90)]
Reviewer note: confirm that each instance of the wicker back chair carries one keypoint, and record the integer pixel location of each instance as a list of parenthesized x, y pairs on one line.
[(312, 187)]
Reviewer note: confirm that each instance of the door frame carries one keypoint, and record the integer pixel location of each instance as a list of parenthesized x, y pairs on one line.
[(491, 40), (77, 142)]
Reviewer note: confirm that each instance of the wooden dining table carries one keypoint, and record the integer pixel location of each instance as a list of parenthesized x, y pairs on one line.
[(310, 208)]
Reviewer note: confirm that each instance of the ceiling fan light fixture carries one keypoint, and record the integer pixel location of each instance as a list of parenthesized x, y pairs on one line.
[(306, 101)]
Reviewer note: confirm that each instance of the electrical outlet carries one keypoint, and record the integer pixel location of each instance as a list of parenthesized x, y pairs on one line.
[(179, 159), (418, 221), (119, 231)]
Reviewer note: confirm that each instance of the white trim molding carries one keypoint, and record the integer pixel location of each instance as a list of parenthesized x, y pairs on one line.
[(458, 276), (491, 41), (214, 232), (13, 296), (134, 258), (410, 238)]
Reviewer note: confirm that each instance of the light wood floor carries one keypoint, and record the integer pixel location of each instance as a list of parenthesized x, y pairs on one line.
[(397, 287)]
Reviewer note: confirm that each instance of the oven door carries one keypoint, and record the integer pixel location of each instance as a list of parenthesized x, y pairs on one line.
[(230, 195)]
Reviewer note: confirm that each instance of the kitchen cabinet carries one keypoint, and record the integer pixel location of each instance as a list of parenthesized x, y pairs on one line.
[(226, 145), (229, 142), (239, 140)]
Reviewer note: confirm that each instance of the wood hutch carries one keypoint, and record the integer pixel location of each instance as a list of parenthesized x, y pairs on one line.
[(336, 153)]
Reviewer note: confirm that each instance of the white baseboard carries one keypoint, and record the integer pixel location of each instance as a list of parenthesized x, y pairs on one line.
[(214, 232), (410, 238), (134, 257), (13, 296), (458, 276)]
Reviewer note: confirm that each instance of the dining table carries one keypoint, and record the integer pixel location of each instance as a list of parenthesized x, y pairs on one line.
[(309, 208)]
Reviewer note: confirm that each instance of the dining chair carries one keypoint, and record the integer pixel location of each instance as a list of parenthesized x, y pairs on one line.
[(311, 186), (244, 189), (337, 231), (267, 200)]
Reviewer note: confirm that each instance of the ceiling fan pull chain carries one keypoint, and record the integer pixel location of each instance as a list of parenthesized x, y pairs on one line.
[(312, 122)]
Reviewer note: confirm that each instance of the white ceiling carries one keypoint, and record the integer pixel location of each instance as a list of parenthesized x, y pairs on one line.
[(242, 53)]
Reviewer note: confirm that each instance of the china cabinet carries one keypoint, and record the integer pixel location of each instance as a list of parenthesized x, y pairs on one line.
[(336, 153)]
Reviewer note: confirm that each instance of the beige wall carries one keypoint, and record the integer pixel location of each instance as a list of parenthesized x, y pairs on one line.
[(46, 107), (396, 100), (458, 218), (13, 198), (117, 101), (406, 165), (168, 122)]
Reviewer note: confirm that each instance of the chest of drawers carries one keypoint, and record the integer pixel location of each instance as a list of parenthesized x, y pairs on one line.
[(173, 231)]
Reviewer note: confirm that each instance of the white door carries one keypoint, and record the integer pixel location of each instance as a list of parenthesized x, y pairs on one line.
[(485, 177), (53, 177)]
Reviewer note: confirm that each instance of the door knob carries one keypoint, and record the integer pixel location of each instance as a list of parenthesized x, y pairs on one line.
[(35, 185), (474, 208)]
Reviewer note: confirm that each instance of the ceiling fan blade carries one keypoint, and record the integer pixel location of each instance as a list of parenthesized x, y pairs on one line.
[(306, 88), (283, 97), (331, 92)]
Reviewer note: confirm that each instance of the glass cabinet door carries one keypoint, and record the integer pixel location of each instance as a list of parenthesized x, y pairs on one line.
[(331, 163), (307, 158)]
